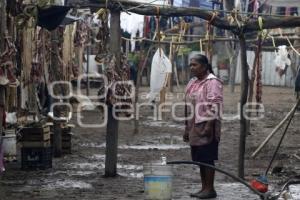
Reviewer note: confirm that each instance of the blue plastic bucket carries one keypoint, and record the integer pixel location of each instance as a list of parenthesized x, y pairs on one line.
[(158, 182)]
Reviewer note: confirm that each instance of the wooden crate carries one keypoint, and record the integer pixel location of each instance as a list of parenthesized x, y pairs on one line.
[(35, 133), (36, 158), (32, 144)]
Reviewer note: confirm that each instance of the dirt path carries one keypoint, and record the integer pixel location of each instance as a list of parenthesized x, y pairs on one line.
[(79, 175)]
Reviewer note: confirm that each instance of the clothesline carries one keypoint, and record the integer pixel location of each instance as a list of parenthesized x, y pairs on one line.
[(215, 39)]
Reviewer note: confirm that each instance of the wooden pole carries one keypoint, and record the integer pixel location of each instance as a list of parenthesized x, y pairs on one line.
[(243, 101), (57, 137), (113, 124), (291, 113), (88, 69), (138, 84), (233, 66), (2, 48)]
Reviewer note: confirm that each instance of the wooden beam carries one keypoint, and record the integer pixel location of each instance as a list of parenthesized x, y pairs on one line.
[(272, 23), (215, 20)]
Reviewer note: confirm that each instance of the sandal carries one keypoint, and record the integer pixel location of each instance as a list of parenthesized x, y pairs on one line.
[(206, 195)]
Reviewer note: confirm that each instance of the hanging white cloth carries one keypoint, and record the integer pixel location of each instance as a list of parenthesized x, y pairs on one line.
[(281, 57), (133, 24), (160, 67)]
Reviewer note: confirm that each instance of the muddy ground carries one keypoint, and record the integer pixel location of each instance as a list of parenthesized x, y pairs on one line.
[(80, 175)]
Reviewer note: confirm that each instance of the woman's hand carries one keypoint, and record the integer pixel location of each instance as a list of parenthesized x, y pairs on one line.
[(186, 137), (208, 129)]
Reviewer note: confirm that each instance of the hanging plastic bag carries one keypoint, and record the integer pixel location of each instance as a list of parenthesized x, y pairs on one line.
[(281, 60), (160, 67)]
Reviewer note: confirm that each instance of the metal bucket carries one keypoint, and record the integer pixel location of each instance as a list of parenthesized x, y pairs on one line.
[(9, 145), (158, 182)]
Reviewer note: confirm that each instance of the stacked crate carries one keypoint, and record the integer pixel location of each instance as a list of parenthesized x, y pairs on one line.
[(36, 152), (66, 137), (66, 140)]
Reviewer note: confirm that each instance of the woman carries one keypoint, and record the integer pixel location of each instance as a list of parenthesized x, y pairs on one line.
[(205, 92)]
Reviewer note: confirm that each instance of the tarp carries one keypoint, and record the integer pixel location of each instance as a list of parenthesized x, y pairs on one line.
[(284, 3), (50, 18)]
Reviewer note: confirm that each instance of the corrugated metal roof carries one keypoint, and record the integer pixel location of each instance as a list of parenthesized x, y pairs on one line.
[(269, 74), (284, 3)]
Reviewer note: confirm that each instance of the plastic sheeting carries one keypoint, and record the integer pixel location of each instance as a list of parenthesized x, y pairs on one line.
[(160, 67)]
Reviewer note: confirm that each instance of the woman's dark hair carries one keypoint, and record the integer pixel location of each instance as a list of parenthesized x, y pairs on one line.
[(202, 59)]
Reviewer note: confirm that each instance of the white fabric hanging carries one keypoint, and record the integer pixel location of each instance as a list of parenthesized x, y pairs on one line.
[(133, 24), (160, 67), (281, 57)]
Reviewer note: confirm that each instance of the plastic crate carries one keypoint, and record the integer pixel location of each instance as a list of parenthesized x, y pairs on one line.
[(36, 158)]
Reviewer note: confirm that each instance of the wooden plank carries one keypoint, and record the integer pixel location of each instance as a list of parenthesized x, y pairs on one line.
[(35, 137), (29, 144)]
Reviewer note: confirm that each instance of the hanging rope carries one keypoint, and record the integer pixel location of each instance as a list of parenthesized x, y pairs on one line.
[(297, 52), (158, 28), (208, 37), (201, 46)]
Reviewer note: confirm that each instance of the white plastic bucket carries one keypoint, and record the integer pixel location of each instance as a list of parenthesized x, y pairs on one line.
[(9, 145), (158, 182)]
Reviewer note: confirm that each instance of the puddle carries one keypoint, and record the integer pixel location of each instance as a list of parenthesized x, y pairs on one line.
[(132, 174), (67, 184), (295, 191), (127, 170), (98, 157), (86, 166), (154, 146), (73, 173), (163, 124), (93, 145), (160, 143)]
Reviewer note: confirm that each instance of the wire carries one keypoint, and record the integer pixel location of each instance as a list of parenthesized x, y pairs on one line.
[(297, 52), (262, 195)]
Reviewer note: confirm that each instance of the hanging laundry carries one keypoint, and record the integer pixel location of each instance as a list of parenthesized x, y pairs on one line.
[(281, 60), (7, 67), (133, 24)]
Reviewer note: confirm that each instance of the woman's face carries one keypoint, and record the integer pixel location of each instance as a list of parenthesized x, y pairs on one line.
[(197, 69)]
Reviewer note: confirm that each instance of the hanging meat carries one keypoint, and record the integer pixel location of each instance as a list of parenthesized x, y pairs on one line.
[(7, 69), (103, 35), (119, 92)]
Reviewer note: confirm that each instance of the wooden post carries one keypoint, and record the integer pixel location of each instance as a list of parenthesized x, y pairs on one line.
[(88, 69), (243, 101), (141, 67), (57, 137), (2, 88), (113, 124)]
